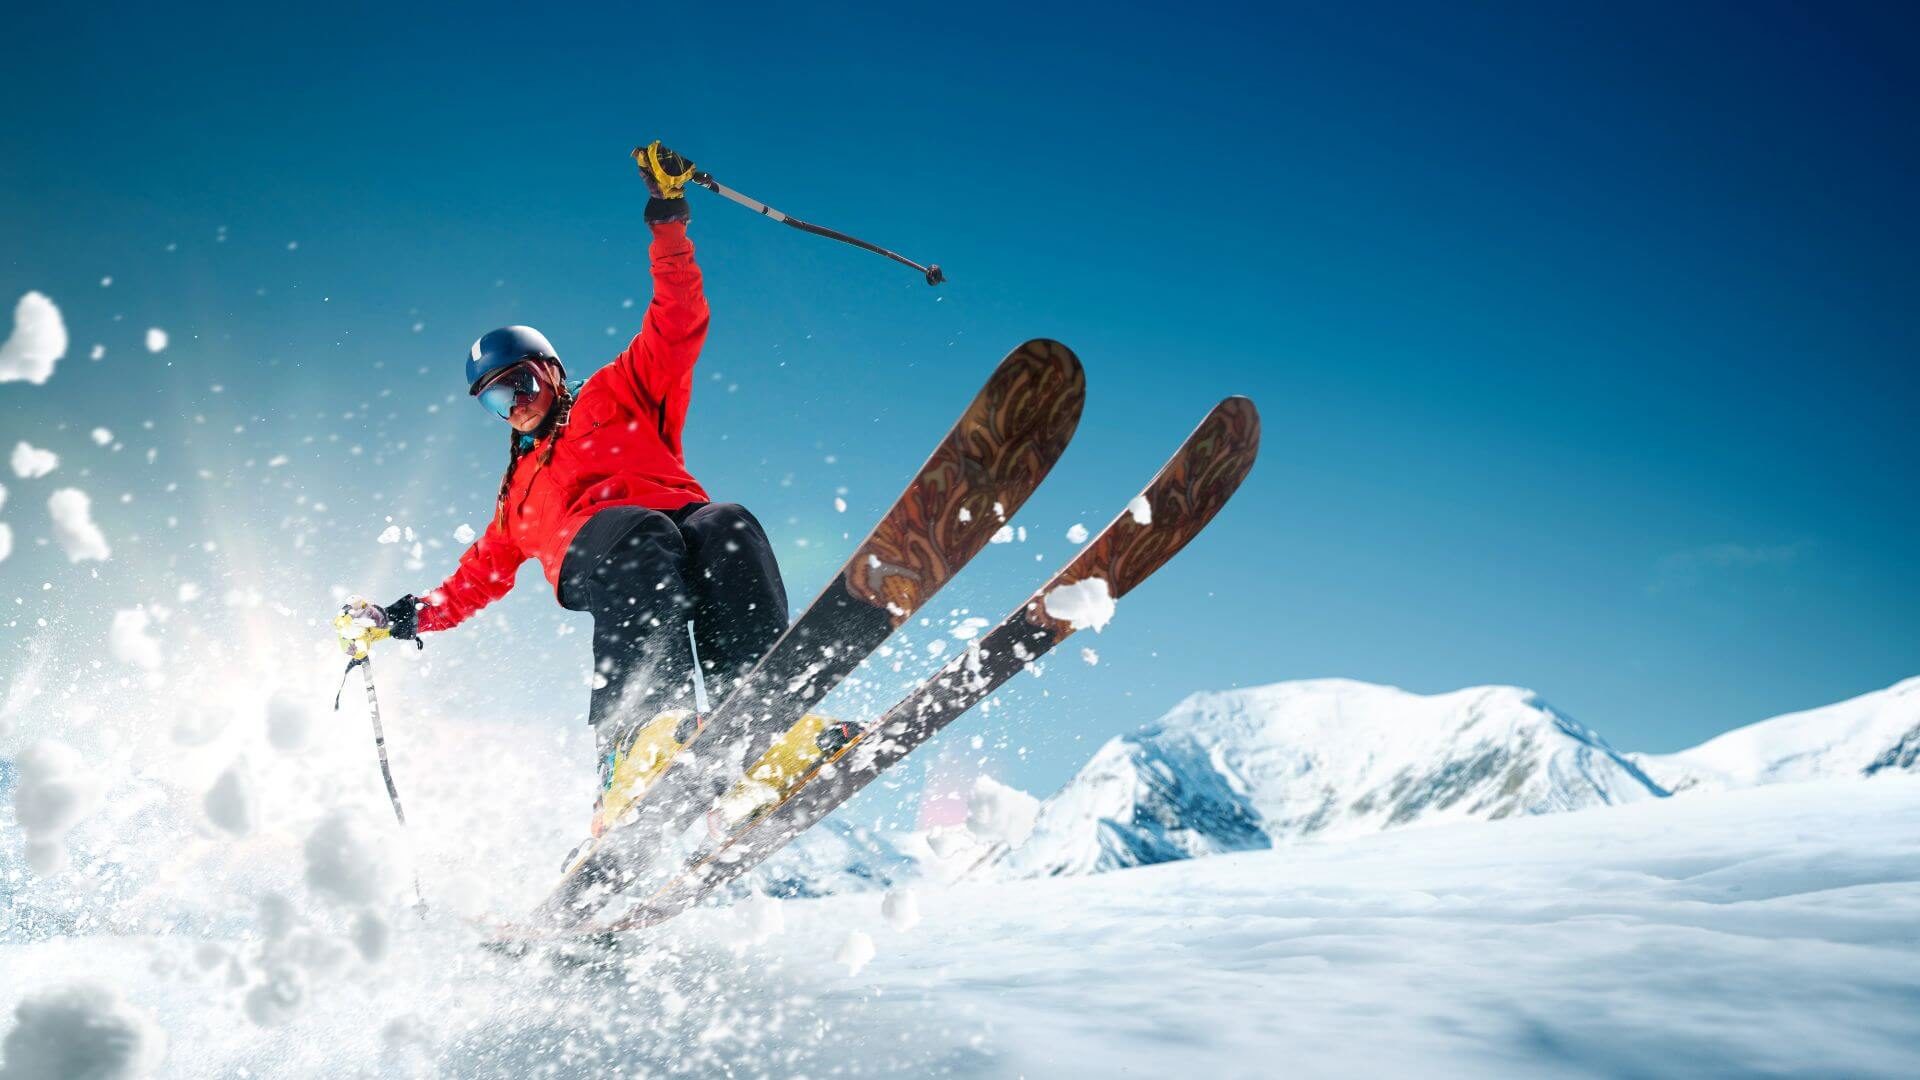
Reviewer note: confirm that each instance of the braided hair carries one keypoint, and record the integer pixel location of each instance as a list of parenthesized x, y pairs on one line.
[(518, 445)]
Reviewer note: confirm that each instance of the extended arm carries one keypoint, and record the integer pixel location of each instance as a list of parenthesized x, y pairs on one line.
[(485, 574)]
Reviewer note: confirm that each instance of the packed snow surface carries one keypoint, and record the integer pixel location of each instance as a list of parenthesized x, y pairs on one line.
[(1762, 931)]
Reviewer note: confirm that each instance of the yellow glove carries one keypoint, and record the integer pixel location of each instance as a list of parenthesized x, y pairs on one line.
[(665, 171), (359, 625)]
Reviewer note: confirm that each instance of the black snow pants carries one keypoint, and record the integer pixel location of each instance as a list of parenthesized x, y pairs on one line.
[(643, 575)]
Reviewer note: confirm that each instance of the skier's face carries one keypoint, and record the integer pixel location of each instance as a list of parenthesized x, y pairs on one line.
[(522, 395)]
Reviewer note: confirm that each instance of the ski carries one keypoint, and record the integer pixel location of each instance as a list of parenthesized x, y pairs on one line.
[(1181, 500), (981, 473)]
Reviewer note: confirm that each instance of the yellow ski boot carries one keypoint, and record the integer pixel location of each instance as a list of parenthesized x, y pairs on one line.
[(638, 759), (792, 759)]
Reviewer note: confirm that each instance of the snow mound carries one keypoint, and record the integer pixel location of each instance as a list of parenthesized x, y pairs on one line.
[(1247, 769), (1875, 734)]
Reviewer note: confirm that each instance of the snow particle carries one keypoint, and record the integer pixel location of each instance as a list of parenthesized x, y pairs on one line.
[(999, 814), (464, 533), (1140, 509), (901, 909), (73, 526), (31, 462), (345, 861), (6, 541), (229, 802), (38, 341), (370, 934), (1083, 605), (1092, 658), (52, 791), (127, 639), (1077, 533), (855, 952), (1002, 535), (81, 1030), (156, 339), (279, 998), (102, 436), (288, 720)]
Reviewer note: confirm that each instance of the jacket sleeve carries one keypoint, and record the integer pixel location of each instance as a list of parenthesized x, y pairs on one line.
[(485, 574), (659, 360)]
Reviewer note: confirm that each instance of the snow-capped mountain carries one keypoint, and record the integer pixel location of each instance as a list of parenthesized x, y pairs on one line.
[(1873, 734), (1242, 769)]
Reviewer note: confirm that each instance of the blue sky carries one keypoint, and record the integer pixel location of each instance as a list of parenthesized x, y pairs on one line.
[(1585, 339)]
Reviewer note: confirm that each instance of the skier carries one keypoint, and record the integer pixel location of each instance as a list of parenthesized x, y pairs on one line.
[(597, 488)]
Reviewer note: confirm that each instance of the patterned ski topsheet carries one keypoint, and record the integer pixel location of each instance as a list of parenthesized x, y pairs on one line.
[(982, 472), (1181, 500)]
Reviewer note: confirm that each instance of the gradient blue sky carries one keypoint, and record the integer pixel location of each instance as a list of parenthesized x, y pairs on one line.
[(1585, 338)]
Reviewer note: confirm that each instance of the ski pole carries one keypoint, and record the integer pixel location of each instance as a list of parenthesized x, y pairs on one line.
[(932, 271), (360, 655)]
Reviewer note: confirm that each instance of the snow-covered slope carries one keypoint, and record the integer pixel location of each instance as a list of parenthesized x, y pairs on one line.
[(1244, 769), (1767, 932), (1873, 734)]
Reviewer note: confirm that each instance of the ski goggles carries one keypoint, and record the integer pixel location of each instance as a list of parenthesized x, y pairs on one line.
[(516, 386)]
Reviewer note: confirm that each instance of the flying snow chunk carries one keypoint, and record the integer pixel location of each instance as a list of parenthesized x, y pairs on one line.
[(389, 535), (128, 642), (53, 790), (279, 998), (765, 918), (901, 909), (38, 341), (999, 814), (369, 935), (81, 1030), (99, 353), (6, 541), (345, 862), (1077, 533), (156, 339), (1084, 605), (31, 463), (855, 952), (73, 526), (289, 718), (464, 534), (229, 802), (1002, 535), (102, 436), (3, 495), (969, 628), (1141, 510), (1092, 658)]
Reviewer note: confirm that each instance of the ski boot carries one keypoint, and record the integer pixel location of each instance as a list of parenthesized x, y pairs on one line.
[(636, 761), (788, 764)]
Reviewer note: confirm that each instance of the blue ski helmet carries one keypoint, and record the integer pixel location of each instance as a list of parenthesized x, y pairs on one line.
[(500, 349)]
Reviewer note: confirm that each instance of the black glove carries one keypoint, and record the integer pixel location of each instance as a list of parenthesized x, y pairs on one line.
[(401, 615), (666, 174)]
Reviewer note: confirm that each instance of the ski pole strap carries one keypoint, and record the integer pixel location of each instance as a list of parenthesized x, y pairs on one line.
[(351, 664)]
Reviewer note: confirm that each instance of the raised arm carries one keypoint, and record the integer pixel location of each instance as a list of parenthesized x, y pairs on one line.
[(485, 574), (659, 360)]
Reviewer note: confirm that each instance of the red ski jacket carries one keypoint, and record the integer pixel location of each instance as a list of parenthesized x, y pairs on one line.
[(620, 446)]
